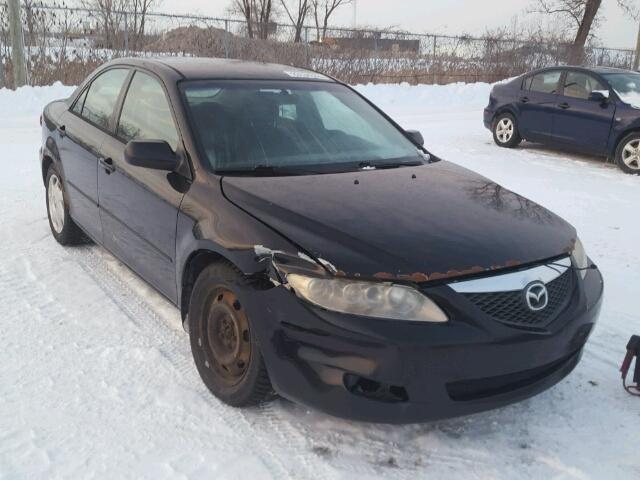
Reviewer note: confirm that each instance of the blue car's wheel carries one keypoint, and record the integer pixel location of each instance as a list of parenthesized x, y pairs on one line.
[(505, 131), (628, 154)]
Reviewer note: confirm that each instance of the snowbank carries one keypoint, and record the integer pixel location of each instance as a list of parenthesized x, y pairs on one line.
[(28, 101), (406, 99)]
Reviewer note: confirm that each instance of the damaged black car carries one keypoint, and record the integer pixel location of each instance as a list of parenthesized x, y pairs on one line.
[(315, 249)]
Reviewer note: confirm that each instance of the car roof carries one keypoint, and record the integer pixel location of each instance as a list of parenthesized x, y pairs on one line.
[(198, 68), (597, 70)]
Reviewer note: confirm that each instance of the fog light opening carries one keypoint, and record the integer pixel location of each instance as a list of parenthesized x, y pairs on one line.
[(374, 390)]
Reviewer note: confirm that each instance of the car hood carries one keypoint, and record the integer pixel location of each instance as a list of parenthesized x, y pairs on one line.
[(412, 223)]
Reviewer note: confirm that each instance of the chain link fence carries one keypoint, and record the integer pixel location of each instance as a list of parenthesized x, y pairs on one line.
[(65, 44)]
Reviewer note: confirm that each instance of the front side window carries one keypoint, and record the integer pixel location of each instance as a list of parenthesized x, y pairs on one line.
[(580, 85), (146, 114), (102, 96), (626, 85), (545, 82), (292, 124)]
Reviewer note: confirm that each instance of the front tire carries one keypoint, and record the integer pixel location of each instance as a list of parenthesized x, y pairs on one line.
[(628, 154), (505, 131), (63, 228), (223, 341)]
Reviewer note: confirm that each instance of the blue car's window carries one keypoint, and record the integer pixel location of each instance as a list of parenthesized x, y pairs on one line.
[(626, 85), (103, 95), (544, 82), (244, 125), (580, 85)]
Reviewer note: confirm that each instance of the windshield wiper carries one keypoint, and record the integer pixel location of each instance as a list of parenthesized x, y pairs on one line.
[(265, 170), (382, 165)]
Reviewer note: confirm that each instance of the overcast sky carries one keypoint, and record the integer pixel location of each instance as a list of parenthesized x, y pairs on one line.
[(438, 16)]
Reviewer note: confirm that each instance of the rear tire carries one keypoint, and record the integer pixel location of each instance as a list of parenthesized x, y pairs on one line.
[(505, 131), (223, 343), (628, 154), (63, 228)]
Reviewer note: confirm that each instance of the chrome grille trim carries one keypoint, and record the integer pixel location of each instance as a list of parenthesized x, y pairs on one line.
[(514, 281)]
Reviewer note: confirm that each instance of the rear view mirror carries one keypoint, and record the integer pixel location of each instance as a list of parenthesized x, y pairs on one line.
[(600, 96), (416, 136), (155, 154)]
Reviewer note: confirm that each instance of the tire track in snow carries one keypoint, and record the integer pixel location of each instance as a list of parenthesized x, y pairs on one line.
[(256, 426)]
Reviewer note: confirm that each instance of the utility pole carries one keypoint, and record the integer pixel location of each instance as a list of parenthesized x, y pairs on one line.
[(17, 44), (636, 60)]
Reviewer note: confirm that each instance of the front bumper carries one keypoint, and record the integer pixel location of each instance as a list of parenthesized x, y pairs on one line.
[(336, 362)]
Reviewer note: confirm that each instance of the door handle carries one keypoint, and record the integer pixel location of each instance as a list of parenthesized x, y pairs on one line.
[(108, 165), (62, 130), (524, 99), (564, 105)]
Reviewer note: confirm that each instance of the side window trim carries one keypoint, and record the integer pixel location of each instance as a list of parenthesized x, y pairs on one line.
[(86, 89)]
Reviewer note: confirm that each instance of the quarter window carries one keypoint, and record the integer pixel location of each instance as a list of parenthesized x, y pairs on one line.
[(545, 82), (146, 114), (77, 108), (102, 97), (580, 85)]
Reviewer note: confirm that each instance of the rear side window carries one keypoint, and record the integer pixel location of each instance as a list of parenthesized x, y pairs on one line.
[(545, 82), (580, 85), (146, 114), (102, 96)]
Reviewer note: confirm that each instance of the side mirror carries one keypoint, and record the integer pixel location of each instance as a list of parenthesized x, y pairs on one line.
[(155, 154), (416, 136), (600, 96)]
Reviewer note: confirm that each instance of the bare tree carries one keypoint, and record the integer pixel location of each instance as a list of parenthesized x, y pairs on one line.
[(297, 14), (322, 12), (581, 15), (258, 14)]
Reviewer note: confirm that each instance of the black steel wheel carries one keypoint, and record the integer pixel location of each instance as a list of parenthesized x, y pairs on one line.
[(224, 346)]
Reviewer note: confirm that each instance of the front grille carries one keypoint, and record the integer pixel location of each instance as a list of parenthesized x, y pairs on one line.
[(510, 307)]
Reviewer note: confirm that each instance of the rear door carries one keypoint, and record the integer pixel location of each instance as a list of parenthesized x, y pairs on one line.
[(139, 206), (536, 104), (581, 122), (82, 131)]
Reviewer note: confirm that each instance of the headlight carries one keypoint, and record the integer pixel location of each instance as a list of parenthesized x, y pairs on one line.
[(380, 300), (580, 258)]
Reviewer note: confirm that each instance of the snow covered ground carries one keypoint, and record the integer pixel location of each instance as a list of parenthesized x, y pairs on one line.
[(97, 381)]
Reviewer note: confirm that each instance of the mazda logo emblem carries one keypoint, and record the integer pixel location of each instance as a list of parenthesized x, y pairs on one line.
[(536, 296)]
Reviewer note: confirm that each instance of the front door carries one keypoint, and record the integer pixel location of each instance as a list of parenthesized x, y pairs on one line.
[(82, 132), (139, 206), (536, 104), (579, 121)]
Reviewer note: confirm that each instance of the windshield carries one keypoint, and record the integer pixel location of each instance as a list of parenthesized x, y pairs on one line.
[(626, 85), (289, 125)]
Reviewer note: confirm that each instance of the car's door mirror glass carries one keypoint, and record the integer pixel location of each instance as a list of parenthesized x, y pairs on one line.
[(154, 154)]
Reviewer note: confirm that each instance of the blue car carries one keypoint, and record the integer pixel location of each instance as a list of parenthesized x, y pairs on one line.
[(592, 110)]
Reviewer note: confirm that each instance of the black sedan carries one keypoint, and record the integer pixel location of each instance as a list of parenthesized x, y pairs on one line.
[(593, 110), (315, 248)]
